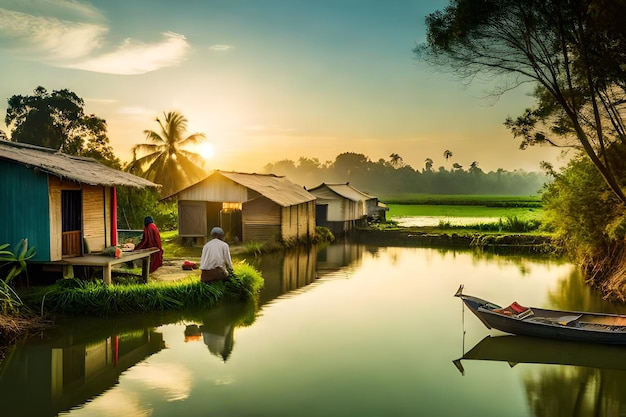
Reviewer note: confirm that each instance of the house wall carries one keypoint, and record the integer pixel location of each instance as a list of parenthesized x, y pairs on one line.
[(298, 222), (56, 219), (97, 216), (215, 188), (339, 208), (261, 220), (192, 218), (25, 208)]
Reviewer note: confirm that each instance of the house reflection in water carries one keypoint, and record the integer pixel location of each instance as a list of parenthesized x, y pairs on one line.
[(60, 376), (297, 268), (336, 257), (286, 271)]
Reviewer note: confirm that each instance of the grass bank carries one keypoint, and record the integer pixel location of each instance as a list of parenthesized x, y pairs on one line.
[(77, 297)]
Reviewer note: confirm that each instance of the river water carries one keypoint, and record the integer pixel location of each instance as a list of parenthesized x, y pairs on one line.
[(351, 330)]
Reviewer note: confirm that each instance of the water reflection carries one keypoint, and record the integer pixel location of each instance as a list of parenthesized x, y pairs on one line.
[(216, 327), (522, 349), (285, 271), (312, 332), (590, 384), (66, 370)]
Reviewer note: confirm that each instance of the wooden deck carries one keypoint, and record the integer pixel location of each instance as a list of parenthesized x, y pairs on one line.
[(107, 262)]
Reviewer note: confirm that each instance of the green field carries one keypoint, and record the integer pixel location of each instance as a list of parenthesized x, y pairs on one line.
[(463, 200), (418, 210), (470, 213)]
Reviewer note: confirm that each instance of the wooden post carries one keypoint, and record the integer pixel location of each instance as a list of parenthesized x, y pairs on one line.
[(145, 268), (106, 273)]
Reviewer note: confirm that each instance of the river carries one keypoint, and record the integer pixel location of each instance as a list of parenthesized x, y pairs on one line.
[(353, 330)]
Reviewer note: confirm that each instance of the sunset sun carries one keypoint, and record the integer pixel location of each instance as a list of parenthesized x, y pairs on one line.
[(206, 150)]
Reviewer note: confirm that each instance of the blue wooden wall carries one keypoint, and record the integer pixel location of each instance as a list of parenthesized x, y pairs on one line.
[(24, 208)]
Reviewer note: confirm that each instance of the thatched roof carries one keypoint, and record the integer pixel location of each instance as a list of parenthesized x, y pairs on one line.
[(69, 167), (277, 189)]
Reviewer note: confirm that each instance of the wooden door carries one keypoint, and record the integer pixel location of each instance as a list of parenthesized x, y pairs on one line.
[(72, 220)]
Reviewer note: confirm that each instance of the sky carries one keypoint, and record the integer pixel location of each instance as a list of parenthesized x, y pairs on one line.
[(264, 80)]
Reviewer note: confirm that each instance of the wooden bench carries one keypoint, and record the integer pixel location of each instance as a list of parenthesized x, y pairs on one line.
[(107, 262)]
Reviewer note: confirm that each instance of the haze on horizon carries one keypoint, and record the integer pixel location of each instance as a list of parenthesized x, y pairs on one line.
[(265, 80)]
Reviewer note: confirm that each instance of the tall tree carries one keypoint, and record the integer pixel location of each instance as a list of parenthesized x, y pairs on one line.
[(349, 165), (165, 161), (428, 164), (572, 50), (447, 154), (395, 160), (57, 120)]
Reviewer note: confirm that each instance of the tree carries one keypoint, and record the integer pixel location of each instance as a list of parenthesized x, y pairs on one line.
[(349, 165), (474, 169), (447, 154), (57, 120), (428, 165), (395, 160), (166, 162), (573, 51)]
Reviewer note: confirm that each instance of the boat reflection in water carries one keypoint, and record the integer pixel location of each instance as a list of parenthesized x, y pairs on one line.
[(523, 349), (579, 379)]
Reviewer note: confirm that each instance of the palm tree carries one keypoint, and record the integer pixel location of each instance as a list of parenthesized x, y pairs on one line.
[(428, 164), (165, 161), (474, 168), (395, 160), (447, 154)]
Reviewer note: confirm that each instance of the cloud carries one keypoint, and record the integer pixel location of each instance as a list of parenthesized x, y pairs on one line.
[(132, 57), (221, 48), (50, 39), (118, 403), (78, 45), (172, 380)]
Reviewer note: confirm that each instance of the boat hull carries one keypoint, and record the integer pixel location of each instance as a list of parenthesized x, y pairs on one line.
[(550, 324)]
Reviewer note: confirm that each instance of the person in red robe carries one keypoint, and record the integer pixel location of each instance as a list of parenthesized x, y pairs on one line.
[(151, 239)]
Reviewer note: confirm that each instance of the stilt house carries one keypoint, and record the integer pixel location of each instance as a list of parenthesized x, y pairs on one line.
[(60, 203)]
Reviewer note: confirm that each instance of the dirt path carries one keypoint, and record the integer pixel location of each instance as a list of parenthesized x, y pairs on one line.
[(172, 270)]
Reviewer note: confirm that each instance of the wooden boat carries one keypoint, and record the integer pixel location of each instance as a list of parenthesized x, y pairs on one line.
[(553, 324), (522, 349)]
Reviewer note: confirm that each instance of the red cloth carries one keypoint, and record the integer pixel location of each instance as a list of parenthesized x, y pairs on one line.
[(152, 239)]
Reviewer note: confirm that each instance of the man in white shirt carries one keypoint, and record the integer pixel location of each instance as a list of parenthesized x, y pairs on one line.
[(215, 262)]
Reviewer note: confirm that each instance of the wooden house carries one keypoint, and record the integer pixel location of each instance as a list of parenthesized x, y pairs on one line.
[(341, 207), (60, 203), (249, 207)]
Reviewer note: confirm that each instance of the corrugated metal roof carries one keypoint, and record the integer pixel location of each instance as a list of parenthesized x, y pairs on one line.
[(345, 190), (278, 189), (74, 168)]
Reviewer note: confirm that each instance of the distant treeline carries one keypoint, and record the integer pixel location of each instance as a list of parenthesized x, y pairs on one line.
[(392, 177)]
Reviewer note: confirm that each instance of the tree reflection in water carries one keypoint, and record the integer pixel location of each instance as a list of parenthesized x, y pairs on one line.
[(576, 391)]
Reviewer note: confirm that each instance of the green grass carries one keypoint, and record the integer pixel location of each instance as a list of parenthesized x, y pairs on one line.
[(76, 297), (405, 210), (463, 200)]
